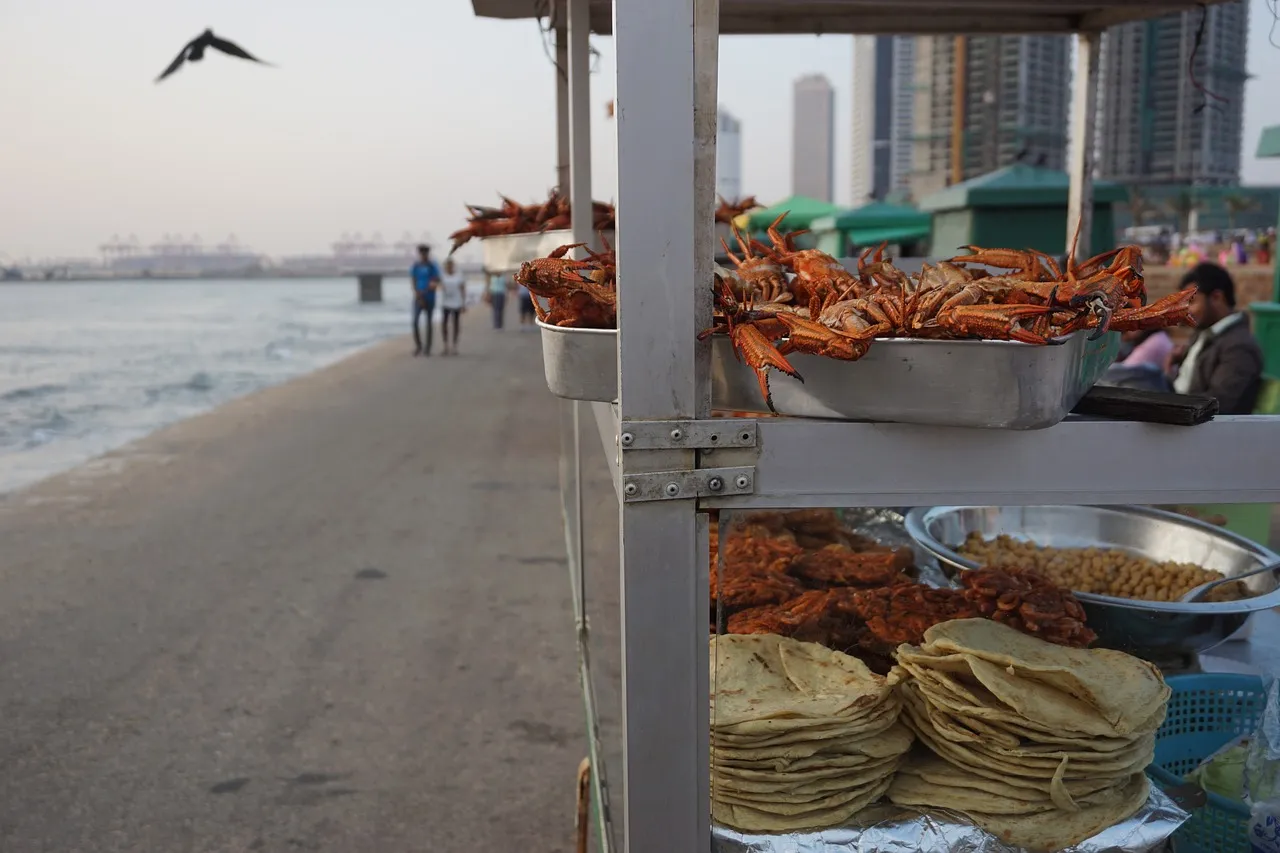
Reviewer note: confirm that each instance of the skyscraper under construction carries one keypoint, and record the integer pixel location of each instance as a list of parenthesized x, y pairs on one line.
[(985, 102), (1165, 118)]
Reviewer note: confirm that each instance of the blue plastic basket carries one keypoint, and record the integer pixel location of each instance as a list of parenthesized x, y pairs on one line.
[(1206, 712)]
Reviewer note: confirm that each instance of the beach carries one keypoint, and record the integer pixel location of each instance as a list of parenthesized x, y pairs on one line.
[(329, 615)]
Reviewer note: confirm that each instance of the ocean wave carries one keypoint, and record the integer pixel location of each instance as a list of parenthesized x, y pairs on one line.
[(200, 382), (40, 427), (31, 392)]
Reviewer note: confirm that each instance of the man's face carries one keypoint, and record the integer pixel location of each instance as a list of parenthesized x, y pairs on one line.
[(1208, 310), (425, 256)]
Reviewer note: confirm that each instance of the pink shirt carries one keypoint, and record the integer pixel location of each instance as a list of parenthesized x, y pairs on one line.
[(1153, 351)]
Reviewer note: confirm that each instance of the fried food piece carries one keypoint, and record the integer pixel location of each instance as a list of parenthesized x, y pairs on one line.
[(839, 566), (1030, 602)]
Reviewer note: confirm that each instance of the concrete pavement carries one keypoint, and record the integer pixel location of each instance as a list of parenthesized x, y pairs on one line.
[(329, 616)]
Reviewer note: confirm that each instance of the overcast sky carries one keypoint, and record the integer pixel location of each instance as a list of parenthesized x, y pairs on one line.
[(383, 115)]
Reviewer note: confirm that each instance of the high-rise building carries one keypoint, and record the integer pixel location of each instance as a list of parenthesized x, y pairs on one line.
[(1158, 121), (883, 104), (728, 156), (813, 138), (1013, 98)]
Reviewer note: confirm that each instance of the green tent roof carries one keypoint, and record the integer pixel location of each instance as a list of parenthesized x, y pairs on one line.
[(877, 214), (876, 223), (1269, 144), (802, 211), (1017, 186)]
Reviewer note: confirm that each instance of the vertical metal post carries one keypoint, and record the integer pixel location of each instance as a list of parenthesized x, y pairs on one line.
[(1084, 101), (666, 179), (580, 121), (562, 95), (959, 102)]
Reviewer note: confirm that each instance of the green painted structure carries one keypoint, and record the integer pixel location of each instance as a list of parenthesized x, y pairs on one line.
[(850, 231), (1218, 208), (1019, 206), (801, 211)]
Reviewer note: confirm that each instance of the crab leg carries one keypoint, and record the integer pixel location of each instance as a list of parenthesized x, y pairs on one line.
[(760, 354)]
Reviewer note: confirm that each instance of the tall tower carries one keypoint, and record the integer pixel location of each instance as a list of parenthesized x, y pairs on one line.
[(1155, 125), (1013, 94), (728, 156), (813, 141), (883, 105)]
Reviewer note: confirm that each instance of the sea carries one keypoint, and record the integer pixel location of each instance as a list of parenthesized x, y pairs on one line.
[(86, 367)]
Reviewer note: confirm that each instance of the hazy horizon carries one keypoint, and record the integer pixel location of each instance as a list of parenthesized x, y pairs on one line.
[(382, 118)]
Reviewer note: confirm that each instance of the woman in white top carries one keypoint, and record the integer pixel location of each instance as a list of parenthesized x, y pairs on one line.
[(453, 301)]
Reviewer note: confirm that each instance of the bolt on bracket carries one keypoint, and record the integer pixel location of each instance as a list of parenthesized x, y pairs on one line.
[(682, 485), (687, 434)]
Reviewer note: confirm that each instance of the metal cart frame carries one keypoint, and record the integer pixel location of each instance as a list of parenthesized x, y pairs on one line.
[(671, 461)]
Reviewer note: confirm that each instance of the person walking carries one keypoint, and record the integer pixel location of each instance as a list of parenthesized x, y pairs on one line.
[(527, 314), (423, 277), (496, 296), (453, 301)]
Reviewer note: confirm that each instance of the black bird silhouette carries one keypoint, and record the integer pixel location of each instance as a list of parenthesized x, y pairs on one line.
[(194, 52)]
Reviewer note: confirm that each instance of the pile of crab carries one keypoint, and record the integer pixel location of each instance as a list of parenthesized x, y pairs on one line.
[(511, 217), (579, 293), (781, 300)]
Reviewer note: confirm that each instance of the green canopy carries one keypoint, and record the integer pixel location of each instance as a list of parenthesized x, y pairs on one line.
[(801, 211), (1269, 144), (1018, 185), (876, 223)]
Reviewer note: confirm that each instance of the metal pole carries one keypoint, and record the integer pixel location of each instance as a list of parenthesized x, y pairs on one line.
[(580, 121), (1084, 102), (959, 94), (562, 96), (666, 180)]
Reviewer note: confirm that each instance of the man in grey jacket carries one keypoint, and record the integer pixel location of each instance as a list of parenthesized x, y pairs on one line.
[(1223, 359)]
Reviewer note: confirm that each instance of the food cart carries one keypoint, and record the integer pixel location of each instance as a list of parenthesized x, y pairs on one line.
[(671, 462)]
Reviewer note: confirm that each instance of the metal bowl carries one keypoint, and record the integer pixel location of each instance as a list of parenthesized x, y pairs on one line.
[(1151, 629)]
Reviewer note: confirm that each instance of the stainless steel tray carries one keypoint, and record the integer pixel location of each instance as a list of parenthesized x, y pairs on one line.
[(1153, 629), (505, 254), (580, 364), (991, 384)]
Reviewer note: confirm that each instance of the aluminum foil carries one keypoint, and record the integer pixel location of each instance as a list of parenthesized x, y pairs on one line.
[(885, 525), (892, 830)]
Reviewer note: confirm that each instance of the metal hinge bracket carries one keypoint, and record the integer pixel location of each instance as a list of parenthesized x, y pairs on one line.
[(681, 485), (680, 435)]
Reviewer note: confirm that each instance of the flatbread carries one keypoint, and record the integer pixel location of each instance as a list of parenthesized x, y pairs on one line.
[(801, 782), (803, 799), (1123, 689), (895, 739), (765, 676), (972, 755), (749, 819), (967, 794), (1057, 830), (884, 717)]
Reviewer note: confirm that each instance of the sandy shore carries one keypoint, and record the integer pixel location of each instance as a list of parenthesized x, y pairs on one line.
[(332, 615)]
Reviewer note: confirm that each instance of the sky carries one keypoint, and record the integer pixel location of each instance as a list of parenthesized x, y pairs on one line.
[(380, 116)]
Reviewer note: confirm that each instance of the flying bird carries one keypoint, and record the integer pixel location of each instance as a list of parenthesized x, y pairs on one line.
[(194, 52)]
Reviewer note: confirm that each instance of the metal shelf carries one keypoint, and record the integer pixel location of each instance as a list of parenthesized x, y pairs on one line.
[(891, 17), (813, 463)]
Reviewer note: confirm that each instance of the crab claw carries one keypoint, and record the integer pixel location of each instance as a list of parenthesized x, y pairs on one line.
[(1102, 311), (756, 350)]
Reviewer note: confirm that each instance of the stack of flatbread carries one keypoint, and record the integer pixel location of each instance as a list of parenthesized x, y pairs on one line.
[(1040, 745), (802, 737)]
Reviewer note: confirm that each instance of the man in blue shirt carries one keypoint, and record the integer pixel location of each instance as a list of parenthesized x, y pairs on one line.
[(425, 278)]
